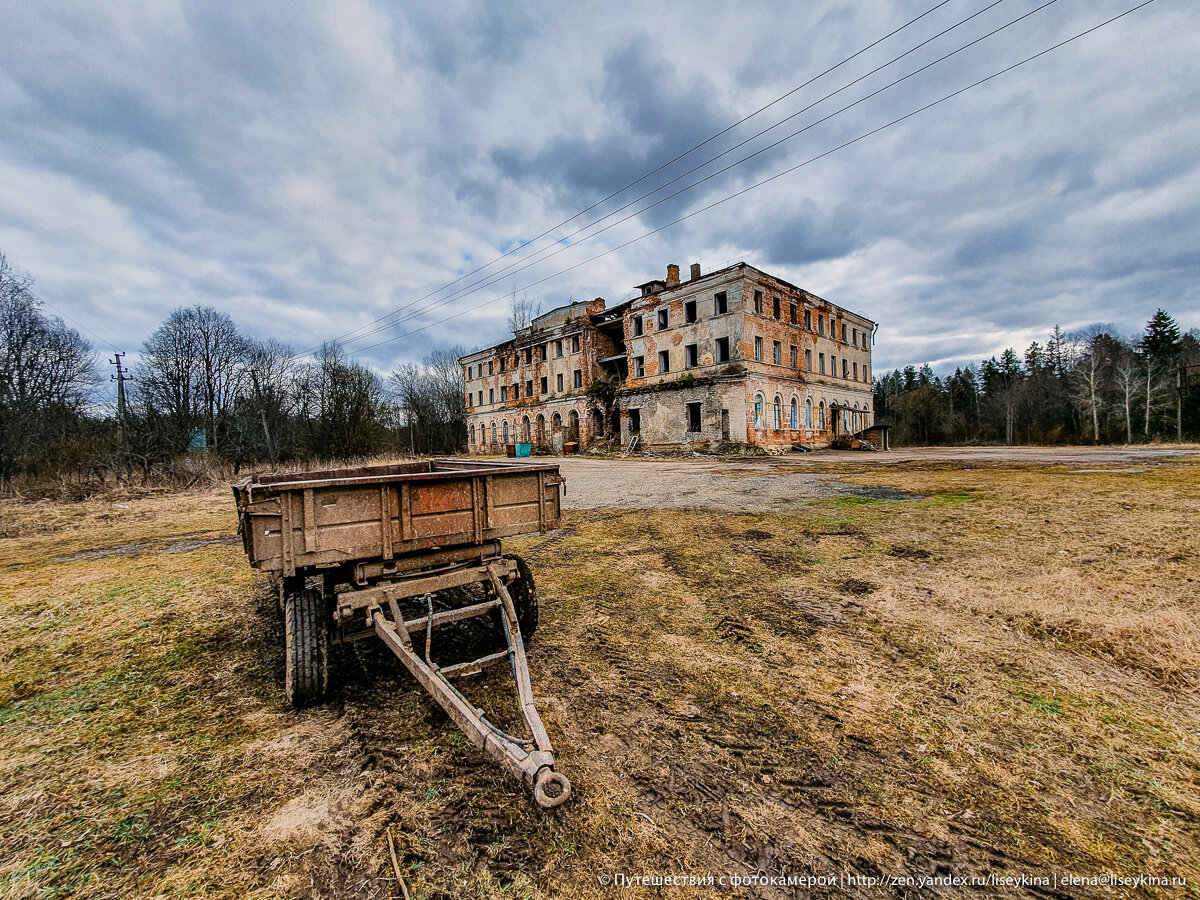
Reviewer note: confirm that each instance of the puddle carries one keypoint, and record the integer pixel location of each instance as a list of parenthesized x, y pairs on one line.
[(148, 546)]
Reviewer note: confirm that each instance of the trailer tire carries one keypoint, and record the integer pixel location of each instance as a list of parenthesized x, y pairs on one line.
[(306, 636), (525, 598)]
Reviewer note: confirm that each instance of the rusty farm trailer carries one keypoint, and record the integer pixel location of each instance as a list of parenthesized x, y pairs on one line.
[(399, 550)]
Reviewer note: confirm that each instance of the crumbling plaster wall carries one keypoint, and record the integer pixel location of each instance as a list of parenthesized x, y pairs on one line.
[(664, 412)]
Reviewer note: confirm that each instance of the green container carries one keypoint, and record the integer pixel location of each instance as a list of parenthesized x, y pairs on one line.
[(524, 449)]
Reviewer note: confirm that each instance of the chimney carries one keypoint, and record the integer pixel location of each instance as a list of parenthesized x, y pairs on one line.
[(695, 271), (672, 275)]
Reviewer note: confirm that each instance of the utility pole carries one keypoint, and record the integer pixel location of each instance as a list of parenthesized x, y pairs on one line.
[(121, 376)]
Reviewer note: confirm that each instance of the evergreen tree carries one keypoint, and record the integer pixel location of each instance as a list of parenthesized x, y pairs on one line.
[(1160, 345)]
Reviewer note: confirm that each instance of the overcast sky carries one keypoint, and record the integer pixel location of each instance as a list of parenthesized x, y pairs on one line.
[(310, 167)]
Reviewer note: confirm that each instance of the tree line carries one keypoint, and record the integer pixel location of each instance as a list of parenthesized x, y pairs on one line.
[(202, 386), (1090, 386)]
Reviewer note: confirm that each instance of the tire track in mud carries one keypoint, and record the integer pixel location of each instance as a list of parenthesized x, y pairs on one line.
[(720, 780), (450, 806)]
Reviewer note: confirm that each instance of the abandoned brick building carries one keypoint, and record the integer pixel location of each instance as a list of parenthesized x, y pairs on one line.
[(735, 356)]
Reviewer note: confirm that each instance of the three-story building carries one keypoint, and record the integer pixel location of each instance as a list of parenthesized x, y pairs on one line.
[(735, 356)]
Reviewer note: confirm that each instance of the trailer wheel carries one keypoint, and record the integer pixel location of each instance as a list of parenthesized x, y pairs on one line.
[(525, 598), (306, 633)]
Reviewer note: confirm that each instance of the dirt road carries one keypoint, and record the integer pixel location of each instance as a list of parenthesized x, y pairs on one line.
[(779, 483)]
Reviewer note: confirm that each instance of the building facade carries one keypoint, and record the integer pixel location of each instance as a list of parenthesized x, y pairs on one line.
[(732, 357)]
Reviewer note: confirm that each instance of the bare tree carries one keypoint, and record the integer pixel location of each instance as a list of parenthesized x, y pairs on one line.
[(1089, 373), (48, 375), (1127, 379), (260, 426), (345, 405), (221, 356), (522, 312), (432, 401)]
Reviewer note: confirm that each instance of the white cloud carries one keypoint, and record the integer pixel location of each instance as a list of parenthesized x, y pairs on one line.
[(308, 168)]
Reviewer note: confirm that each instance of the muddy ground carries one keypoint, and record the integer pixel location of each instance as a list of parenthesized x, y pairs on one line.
[(855, 666)]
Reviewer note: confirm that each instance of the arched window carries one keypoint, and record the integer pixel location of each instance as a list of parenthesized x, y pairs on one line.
[(505, 430), (845, 418), (792, 416), (541, 429), (808, 412), (777, 413), (821, 416), (525, 430), (758, 410), (472, 437), (493, 431), (572, 426), (556, 423)]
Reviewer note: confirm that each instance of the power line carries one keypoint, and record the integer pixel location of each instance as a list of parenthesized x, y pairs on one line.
[(521, 245), (109, 344), (776, 176), (546, 253)]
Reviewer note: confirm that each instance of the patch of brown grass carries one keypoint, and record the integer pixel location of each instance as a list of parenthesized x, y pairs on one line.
[(998, 677)]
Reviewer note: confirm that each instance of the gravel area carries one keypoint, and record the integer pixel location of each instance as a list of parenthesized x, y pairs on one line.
[(755, 483)]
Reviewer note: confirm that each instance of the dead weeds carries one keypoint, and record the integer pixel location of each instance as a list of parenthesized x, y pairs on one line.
[(724, 694)]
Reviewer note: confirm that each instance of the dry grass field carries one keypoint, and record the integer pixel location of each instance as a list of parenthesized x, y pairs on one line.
[(960, 666)]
